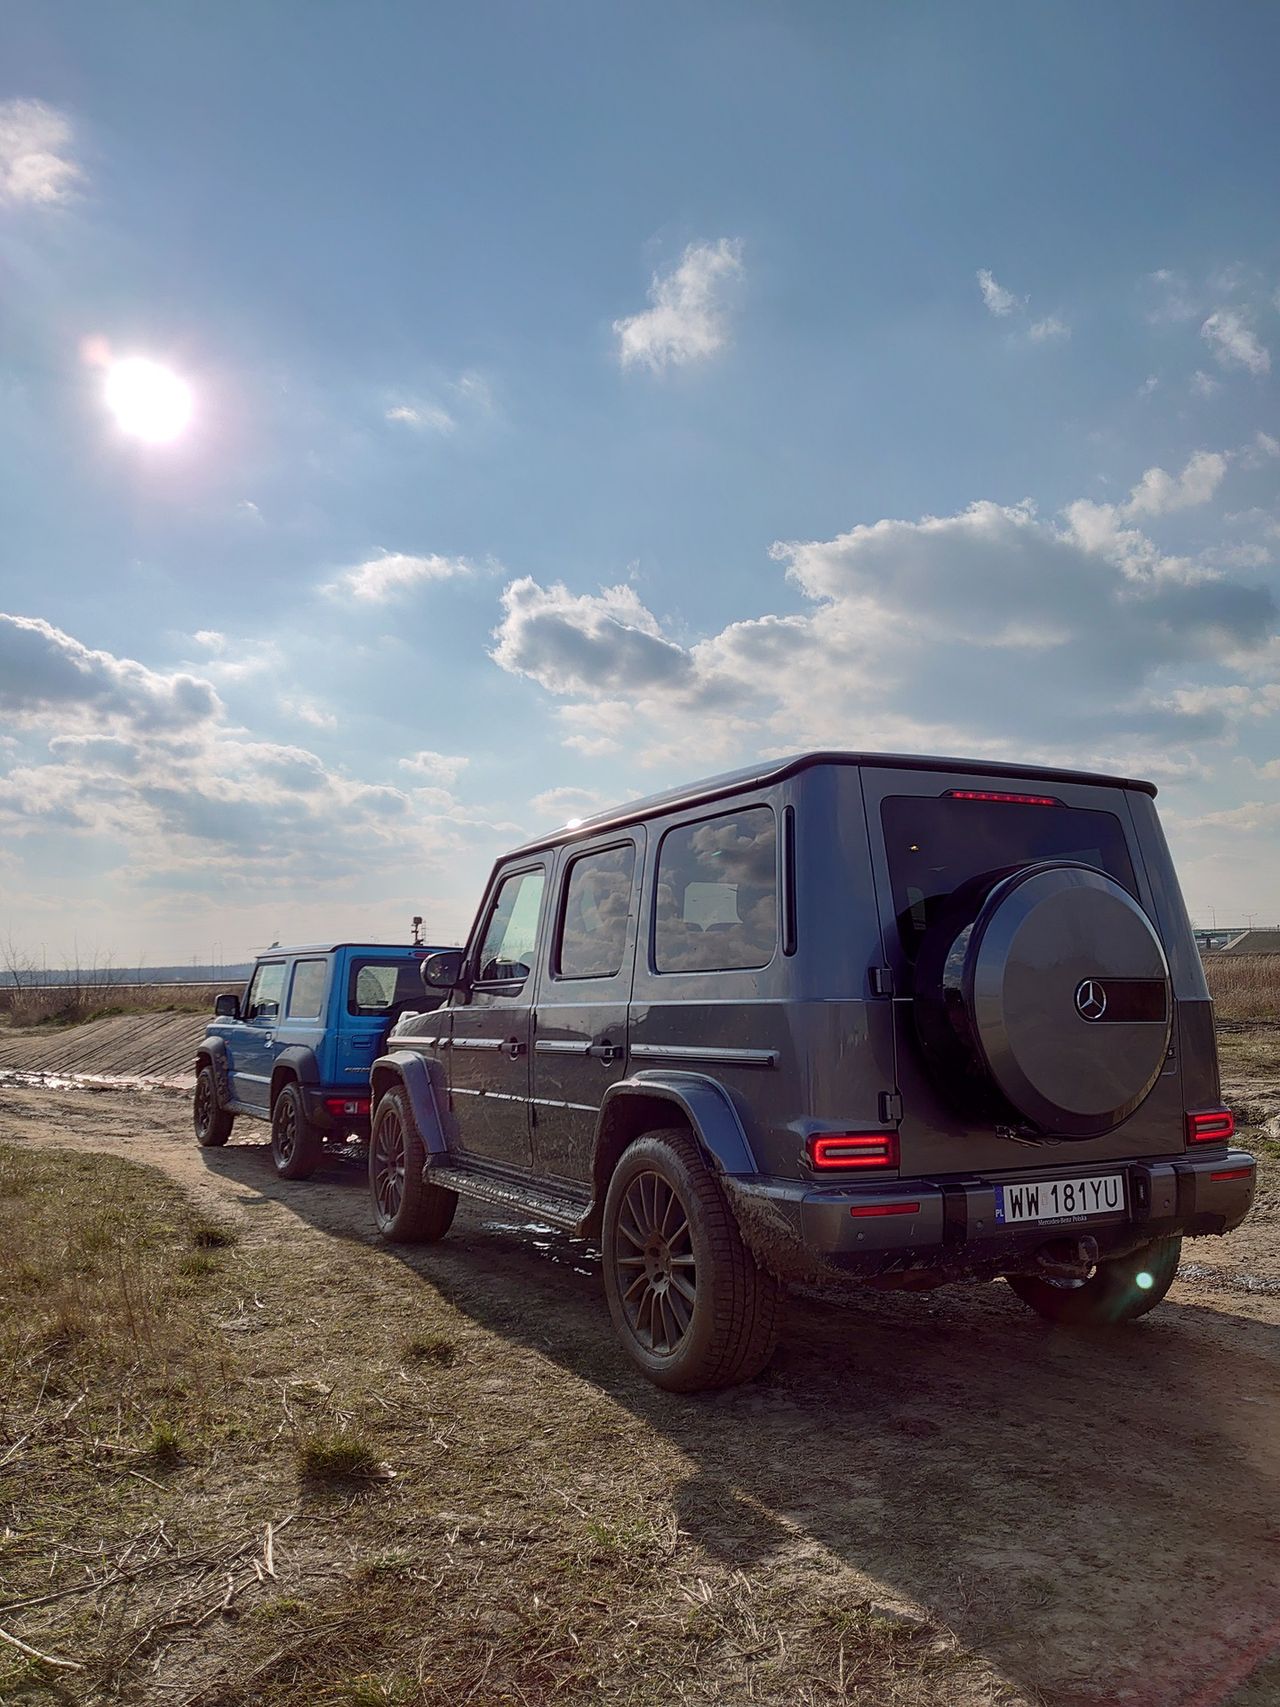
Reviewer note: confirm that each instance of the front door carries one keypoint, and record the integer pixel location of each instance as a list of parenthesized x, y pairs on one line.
[(250, 1043), (489, 1050), (580, 1030)]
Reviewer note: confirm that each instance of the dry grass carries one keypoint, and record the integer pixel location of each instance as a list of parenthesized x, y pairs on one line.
[(439, 1536), (1244, 986), (98, 998)]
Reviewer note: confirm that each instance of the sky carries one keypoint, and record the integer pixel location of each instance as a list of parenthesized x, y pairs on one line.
[(421, 425)]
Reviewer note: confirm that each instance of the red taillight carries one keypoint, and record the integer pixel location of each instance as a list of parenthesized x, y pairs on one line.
[(340, 1106), (1210, 1126), (887, 1209), (854, 1150), (986, 794), (1233, 1173)]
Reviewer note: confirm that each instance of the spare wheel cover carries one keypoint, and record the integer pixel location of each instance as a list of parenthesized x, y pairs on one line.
[(1067, 990)]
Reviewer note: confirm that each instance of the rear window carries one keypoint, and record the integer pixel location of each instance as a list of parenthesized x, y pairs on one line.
[(376, 986), (716, 901), (935, 844)]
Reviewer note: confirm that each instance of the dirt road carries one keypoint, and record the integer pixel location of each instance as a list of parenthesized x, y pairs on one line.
[(1098, 1517)]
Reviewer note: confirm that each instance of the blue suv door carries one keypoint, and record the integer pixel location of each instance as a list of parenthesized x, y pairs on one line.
[(371, 989), (251, 1040)]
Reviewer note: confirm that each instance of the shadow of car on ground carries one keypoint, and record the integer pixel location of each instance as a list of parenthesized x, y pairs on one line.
[(1098, 1514)]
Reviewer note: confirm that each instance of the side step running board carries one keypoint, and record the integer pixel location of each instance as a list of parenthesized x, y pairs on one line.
[(534, 1204)]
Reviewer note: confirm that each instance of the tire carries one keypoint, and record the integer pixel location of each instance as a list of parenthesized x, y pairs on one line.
[(1112, 1294), (211, 1121), (295, 1143), (407, 1209), (692, 1307)]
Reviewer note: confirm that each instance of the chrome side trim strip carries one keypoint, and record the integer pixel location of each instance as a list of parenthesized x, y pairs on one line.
[(705, 1053)]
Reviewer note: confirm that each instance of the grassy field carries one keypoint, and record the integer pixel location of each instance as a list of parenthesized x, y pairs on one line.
[(73, 1004), (167, 1394), (1245, 986)]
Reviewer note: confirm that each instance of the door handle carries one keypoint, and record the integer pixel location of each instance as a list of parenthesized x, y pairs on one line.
[(605, 1051), (515, 1047)]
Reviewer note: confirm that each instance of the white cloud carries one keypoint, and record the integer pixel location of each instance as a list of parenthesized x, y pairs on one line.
[(998, 300), (1173, 299), (424, 417), (687, 319), (211, 639), (35, 158), (1157, 492), (1150, 383), (144, 766), (308, 711), (435, 767), (1234, 342), (392, 572), (42, 669), (562, 804), (1204, 384), (1263, 450), (577, 642), (597, 728), (991, 630), (1003, 303)]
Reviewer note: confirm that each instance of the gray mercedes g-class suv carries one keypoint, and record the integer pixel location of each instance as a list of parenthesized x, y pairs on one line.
[(906, 1020)]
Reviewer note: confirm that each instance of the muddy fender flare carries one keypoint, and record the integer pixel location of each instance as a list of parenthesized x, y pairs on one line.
[(406, 1067), (296, 1063), (704, 1103), (214, 1051)]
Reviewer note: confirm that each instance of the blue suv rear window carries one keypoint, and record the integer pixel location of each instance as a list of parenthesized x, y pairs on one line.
[(377, 986)]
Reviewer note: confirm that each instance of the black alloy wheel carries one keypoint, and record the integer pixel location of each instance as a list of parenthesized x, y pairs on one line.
[(656, 1269), (387, 1167), (692, 1306), (407, 1209), (212, 1122), (295, 1144)]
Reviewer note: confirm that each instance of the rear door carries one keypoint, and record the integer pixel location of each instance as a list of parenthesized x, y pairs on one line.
[(932, 831), (252, 1048), (580, 1028), (371, 990)]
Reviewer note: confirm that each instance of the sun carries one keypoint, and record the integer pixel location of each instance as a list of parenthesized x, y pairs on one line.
[(148, 401)]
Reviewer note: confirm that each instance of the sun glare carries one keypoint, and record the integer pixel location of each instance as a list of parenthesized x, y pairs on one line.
[(148, 401)]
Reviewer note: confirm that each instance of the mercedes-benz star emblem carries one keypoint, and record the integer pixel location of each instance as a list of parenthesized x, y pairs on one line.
[(1091, 999)]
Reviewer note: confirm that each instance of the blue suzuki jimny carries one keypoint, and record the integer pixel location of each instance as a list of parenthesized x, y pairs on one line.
[(297, 1047)]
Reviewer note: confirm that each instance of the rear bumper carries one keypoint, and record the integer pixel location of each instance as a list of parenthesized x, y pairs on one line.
[(948, 1226), (335, 1126)]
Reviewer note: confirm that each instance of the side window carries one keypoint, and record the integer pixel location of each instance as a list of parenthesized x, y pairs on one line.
[(593, 920), (306, 992), (376, 985), (511, 933), (716, 899), (265, 991)]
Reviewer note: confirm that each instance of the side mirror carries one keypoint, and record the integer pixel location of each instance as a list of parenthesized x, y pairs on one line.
[(226, 1007), (442, 971)]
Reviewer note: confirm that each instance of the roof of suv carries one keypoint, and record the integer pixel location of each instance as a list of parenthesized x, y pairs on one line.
[(282, 951), (773, 770)]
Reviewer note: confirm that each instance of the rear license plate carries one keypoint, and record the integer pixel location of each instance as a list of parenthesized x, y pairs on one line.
[(1088, 1197)]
